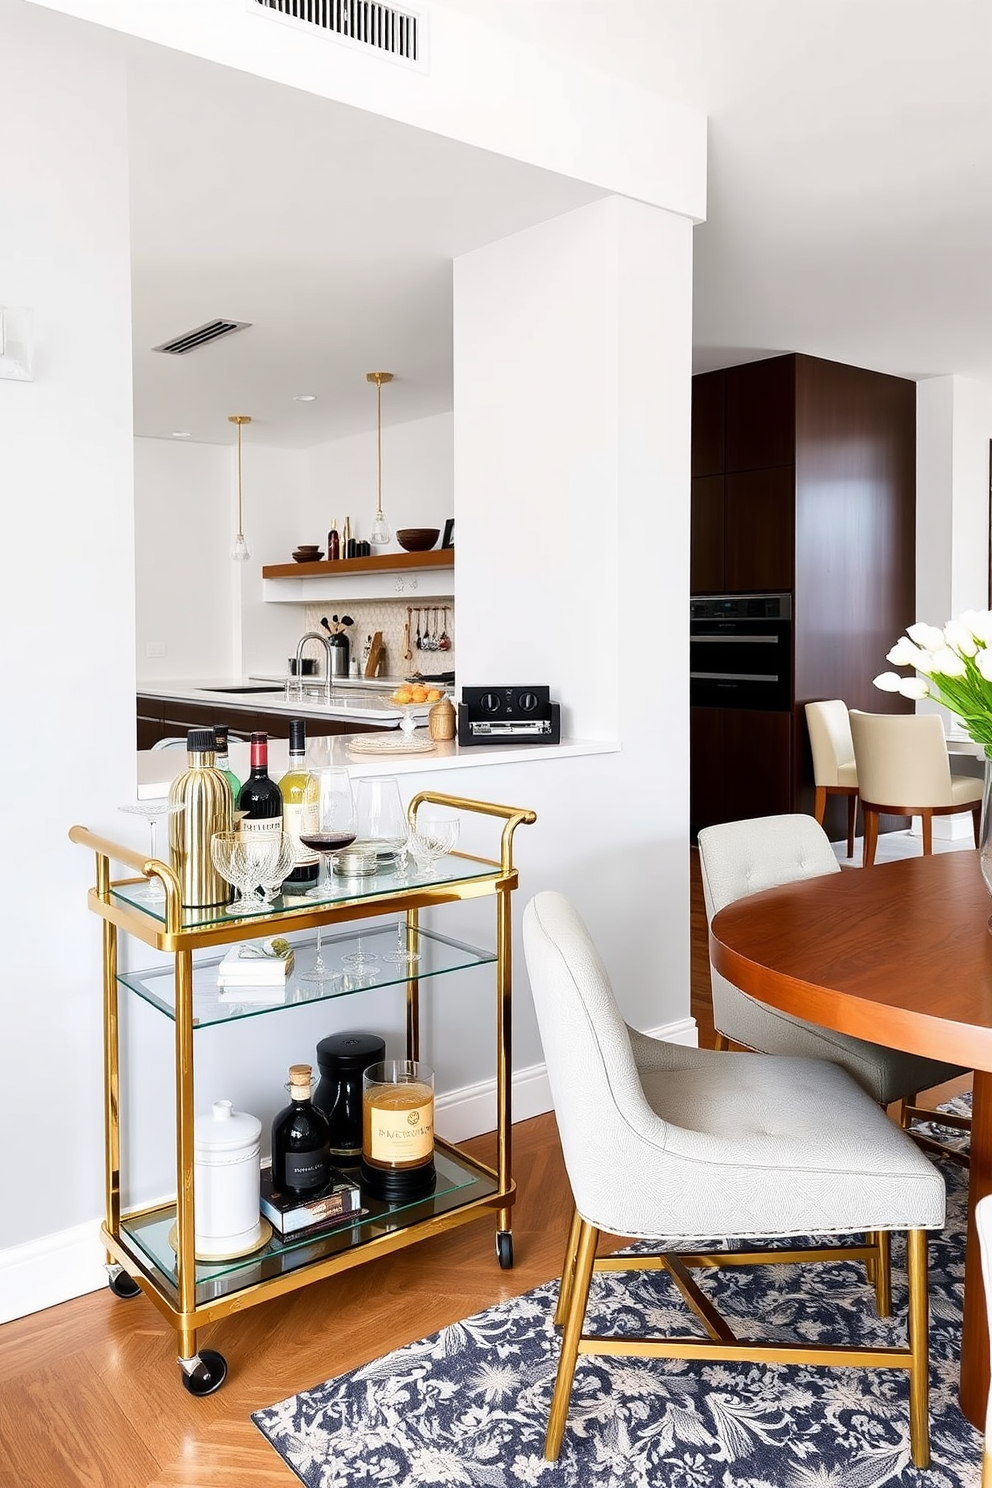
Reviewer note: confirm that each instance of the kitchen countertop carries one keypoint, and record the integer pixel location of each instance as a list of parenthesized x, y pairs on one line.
[(364, 700)]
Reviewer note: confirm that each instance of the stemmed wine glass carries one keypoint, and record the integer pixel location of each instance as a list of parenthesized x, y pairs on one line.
[(154, 889), (246, 862), (382, 822), (329, 822), (276, 871), (404, 952)]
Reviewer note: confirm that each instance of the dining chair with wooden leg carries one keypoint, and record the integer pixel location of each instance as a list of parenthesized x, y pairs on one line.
[(835, 772), (983, 1226), (743, 857), (698, 1146), (904, 770)]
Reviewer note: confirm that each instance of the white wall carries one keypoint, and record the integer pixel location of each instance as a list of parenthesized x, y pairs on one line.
[(954, 427), (66, 476), (417, 479)]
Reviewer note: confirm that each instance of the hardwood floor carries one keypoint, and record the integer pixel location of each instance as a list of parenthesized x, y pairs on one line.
[(90, 1392)]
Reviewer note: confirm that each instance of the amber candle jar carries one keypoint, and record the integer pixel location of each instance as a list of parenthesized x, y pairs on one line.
[(398, 1130)]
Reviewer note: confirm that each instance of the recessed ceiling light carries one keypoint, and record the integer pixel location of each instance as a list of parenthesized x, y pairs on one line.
[(304, 397), (181, 433)]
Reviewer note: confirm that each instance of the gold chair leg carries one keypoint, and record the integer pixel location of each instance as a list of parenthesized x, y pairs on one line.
[(919, 1346), (578, 1297), (883, 1274), (819, 803), (720, 1041), (568, 1269)]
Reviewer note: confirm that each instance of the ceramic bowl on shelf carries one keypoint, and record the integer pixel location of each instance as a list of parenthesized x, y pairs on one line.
[(417, 539), (308, 554)]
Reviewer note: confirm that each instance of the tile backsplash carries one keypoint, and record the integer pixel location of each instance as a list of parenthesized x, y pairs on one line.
[(433, 618)]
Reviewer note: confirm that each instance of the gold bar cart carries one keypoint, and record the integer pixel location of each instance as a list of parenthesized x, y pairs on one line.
[(151, 1250)]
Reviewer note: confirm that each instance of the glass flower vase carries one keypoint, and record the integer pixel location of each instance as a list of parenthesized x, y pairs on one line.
[(985, 829)]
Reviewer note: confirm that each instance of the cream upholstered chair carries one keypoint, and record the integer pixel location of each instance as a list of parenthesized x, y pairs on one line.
[(743, 857), (904, 770), (664, 1140), (834, 770), (983, 1224)]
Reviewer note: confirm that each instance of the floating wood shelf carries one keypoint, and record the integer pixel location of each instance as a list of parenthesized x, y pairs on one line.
[(379, 563)]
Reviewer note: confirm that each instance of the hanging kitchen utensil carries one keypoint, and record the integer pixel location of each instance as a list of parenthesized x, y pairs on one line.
[(407, 653), (444, 644), (418, 640)]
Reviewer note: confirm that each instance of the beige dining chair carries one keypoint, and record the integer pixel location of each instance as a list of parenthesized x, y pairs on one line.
[(904, 770), (744, 857), (834, 770), (701, 1147), (983, 1225)]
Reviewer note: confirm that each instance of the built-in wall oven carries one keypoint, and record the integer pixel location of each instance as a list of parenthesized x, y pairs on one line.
[(740, 651)]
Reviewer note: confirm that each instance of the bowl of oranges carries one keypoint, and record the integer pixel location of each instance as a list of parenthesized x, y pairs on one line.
[(409, 699)]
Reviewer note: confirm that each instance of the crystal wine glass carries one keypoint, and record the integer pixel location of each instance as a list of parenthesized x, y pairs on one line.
[(329, 822), (382, 822), (405, 952), (154, 890), (245, 862), (433, 836)]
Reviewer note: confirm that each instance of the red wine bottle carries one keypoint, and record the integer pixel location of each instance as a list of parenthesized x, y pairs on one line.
[(259, 798), (301, 1135)]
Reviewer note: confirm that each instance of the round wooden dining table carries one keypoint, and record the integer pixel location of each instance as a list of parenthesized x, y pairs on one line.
[(899, 954)]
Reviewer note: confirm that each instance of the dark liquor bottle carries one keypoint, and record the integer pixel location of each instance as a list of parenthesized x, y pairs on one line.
[(301, 1163), (297, 811), (259, 798), (222, 761)]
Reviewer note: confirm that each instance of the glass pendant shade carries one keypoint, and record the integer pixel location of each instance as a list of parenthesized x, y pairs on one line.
[(239, 551), (381, 533)]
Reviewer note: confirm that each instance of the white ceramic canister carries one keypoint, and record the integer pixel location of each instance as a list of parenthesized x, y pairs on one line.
[(226, 1166)]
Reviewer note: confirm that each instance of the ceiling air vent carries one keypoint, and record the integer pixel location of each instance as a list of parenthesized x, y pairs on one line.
[(394, 33), (201, 336)]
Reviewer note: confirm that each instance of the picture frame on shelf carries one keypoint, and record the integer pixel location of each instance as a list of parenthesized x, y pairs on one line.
[(448, 537)]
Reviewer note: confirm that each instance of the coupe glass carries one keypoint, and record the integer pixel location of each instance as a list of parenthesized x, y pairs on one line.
[(152, 811), (246, 863), (382, 822), (432, 838), (329, 822)]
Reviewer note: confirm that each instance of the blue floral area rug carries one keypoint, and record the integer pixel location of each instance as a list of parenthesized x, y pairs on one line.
[(469, 1406)]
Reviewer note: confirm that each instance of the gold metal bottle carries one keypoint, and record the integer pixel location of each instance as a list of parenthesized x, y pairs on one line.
[(207, 808)]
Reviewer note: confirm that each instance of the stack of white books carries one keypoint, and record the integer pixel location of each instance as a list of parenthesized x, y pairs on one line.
[(256, 971)]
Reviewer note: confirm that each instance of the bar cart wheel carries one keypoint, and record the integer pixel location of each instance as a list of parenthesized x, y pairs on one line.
[(504, 1249), (121, 1284), (204, 1373)]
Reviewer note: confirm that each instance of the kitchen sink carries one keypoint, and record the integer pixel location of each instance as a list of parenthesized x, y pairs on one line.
[(259, 687)]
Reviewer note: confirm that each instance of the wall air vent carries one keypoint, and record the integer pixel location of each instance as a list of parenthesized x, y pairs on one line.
[(385, 29), (201, 336)]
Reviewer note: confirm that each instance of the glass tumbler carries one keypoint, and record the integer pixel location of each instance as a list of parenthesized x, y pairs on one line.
[(382, 822)]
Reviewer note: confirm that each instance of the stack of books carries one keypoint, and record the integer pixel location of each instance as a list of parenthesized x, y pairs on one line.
[(256, 971), (339, 1201)]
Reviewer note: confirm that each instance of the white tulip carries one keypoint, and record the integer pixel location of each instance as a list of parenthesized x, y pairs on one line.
[(979, 622), (960, 638), (947, 663), (983, 662), (889, 681), (927, 636), (914, 687), (904, 653)]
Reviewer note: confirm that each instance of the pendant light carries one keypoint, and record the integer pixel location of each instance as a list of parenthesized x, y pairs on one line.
[(240, 550), (381, 533)]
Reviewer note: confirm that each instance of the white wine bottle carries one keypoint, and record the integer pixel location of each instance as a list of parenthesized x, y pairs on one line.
[(297, 812)]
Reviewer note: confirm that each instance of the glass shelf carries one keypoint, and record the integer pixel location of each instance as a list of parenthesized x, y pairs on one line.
[(459, 1182), (343, 890), (212, 1004)]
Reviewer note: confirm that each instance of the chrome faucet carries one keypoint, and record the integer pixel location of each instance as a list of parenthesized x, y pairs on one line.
[(315, 635)]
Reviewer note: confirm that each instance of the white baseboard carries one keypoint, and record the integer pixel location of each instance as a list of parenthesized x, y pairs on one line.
[(44, 1272)]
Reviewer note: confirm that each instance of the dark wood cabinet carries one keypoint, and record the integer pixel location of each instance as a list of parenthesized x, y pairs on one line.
[(816, 496), (166, 718)]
